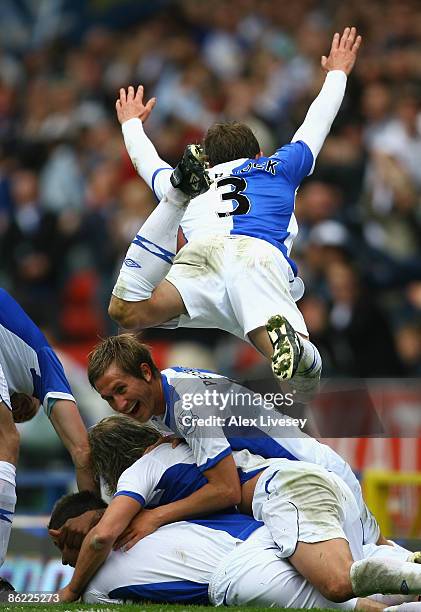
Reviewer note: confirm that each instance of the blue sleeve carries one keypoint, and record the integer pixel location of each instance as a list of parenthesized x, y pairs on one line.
[(296, 161), (53, 381)]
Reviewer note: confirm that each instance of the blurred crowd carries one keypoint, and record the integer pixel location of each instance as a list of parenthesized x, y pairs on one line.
[(70, 201)]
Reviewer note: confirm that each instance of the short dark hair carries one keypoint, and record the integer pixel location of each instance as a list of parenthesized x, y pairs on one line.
[(126, 351), (72, 505), (116, 443), (228, 141)]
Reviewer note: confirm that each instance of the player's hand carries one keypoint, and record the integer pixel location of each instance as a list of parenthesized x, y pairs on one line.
[(143, 524), (171, 439), (66, 594), (130, 105), (24, 407), (74, 530), (343, 51)]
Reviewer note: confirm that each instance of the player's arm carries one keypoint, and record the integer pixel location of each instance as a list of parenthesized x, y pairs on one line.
[(67, 422), (132, 114), (325, 107), (222, 491), (98, 544), (60, 406)]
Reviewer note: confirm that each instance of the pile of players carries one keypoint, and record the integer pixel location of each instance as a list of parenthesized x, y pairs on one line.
[(173, 530)]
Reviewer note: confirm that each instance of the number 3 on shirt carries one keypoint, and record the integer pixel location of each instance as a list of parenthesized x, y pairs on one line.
[(236, 194)]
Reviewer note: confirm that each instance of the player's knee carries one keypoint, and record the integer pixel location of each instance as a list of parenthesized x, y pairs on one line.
[(337, 586), (123, 313)]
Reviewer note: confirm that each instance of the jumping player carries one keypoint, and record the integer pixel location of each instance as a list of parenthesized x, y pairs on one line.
[(235, 273)]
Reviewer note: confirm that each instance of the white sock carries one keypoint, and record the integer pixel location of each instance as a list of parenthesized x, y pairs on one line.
[(393, 600), (305, 381), (387, 575), (414, 606), (404, 551), (7, 504), (150, 256), (310, 362)]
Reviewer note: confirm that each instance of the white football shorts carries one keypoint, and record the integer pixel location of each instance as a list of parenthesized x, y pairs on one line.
[(234, 283), (303, 502), (254, 574)]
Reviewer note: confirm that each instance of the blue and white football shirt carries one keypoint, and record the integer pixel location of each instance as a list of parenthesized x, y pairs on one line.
[(174, 564), (28, 364), (163, 476), (191, 415), (251, 197)]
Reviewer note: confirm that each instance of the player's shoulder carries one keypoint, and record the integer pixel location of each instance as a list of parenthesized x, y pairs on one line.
[(298, 147), (143, 466), (180, 373), (226, 168), (157, 461), (166, 455), (15, 320)]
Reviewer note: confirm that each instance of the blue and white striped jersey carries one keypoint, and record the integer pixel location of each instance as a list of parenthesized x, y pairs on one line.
[(165, 475), (212, 434), (174, 564), (250, 197), (28, 364)]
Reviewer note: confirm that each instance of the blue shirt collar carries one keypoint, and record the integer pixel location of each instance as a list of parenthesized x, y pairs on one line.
[(166, 389)]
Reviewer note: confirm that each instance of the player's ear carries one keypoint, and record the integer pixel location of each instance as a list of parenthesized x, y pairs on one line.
[(146, 372), (259, 155)]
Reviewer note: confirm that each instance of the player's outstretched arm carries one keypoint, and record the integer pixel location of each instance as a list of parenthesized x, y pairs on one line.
[(338, 65), (132, 114), (98, 544), (67, 422), (222, 491), (129, 105), (343, 52)]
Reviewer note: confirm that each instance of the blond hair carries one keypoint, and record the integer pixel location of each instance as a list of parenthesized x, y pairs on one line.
[(116, 443), (126, 351)]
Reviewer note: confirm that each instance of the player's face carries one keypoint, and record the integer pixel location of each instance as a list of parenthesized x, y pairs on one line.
[(136, 397), (68, 555)]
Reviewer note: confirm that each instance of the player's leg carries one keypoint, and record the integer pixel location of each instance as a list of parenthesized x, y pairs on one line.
[(313, 518), (151, 253), (312, 523), (327, 565), (259, 287), (254, 575), (292, 355), (330, 567), (164, 304), (9, 451)]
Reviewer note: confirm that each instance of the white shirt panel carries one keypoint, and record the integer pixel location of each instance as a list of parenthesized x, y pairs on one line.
[(178, 552)]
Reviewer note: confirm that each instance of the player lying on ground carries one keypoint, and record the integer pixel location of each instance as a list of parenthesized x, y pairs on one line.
[(30, 375), (123, 372), (313, 514), (223, 560), (235, 273)]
